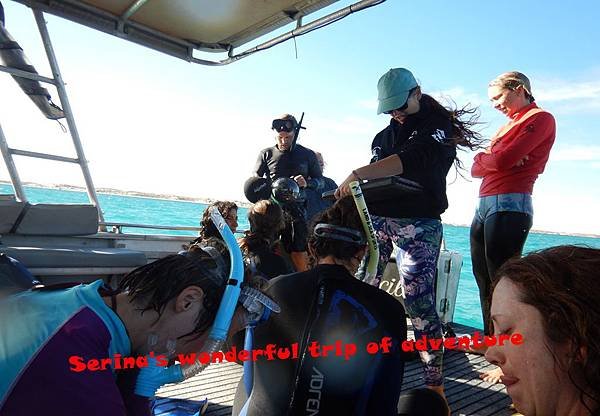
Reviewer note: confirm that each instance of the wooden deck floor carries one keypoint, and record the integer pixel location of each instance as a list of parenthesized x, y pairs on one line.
[(466, 393)]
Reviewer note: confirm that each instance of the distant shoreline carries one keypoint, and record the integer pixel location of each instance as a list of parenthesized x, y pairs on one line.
[(121, 192), (208, 201)]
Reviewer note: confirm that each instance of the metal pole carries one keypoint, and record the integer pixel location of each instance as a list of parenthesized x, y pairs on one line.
[(12, 169), (25, 74), (64, 100)]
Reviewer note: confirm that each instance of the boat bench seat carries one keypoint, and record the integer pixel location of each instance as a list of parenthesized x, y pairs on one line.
[(53, 264), (52, 257), (10, 210), (57, 219), (47, 219)]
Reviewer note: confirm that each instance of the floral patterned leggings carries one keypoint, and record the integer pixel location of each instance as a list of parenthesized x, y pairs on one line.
[(418, 241)]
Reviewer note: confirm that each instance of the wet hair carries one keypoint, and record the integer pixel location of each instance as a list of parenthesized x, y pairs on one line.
[(463, 121), (207, 228), (266, 222), (153, 286), (562, 284), (344, 214), (511, 81)]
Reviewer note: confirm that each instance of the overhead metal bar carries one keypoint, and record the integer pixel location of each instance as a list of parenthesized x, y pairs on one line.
[(183, 48), (299, 31), (28, 75), (133, 8)]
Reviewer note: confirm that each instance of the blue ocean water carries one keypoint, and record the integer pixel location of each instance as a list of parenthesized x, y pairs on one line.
[(149, 211)]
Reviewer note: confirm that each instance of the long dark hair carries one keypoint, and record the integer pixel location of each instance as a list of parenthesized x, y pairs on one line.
[(266, 222), (207, 228), (464, 120), (562, 284), (152, 286)]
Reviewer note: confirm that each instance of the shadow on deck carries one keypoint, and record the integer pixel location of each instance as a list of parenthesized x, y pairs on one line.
[(467, 394)]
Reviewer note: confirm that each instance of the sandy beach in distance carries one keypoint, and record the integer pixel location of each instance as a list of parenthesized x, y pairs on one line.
[(207, 201)]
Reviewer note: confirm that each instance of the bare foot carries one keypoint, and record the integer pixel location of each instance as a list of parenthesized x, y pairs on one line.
[(492, 376), (440, 391)]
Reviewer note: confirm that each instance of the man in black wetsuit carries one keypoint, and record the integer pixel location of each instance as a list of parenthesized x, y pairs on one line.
[(289, 160)]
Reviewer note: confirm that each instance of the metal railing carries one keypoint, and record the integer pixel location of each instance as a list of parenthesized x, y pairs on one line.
[(117, 227), (57, 81)]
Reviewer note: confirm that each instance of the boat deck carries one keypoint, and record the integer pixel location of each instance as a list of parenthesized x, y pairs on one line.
[(466, 393)]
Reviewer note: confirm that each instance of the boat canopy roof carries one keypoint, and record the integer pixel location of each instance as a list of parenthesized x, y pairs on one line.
[(178, 27)]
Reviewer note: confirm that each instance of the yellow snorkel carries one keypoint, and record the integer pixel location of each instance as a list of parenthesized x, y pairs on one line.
[(363, 211)]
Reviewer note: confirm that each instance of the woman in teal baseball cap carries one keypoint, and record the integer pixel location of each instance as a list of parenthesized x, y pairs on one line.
[(419, 144)]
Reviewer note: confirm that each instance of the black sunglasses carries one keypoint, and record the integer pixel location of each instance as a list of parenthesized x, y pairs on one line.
[(283, 125), (405, 106)]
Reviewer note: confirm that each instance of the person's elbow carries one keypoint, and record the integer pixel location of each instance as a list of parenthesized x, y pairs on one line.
[(476, 171)]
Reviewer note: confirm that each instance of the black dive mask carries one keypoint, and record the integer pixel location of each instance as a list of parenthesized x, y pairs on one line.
[(336, 232), (283, 125)]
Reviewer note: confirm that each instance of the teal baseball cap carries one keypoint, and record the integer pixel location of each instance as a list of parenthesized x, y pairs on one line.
[(393, 89)]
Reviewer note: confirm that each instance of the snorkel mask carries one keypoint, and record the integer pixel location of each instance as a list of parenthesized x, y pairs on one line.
[(337, 232), (286, 125), (257, 304)]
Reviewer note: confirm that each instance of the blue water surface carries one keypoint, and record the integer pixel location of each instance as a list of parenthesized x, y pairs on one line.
[(149, 211)]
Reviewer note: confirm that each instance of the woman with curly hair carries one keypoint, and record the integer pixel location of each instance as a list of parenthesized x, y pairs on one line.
[(550, 298), (229, 211)]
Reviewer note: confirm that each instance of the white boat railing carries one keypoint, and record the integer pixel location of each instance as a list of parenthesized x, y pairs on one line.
[(117, 227)]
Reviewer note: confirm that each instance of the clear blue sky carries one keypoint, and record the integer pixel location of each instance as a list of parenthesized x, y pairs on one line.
[(152, 123)]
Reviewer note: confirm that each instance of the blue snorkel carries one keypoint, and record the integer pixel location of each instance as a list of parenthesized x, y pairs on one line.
[(228, 304), (151, 378)]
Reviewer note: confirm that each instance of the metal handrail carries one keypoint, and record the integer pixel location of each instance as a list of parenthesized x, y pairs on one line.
[(120, 225)]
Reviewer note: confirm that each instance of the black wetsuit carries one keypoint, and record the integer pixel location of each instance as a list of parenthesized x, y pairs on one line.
[(327, 304), (273, 163), (267, 263)]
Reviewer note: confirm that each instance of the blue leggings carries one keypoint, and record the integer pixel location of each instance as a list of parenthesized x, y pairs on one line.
[(418, 241)]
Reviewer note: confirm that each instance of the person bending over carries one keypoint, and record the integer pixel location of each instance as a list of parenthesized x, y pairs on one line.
[(62, 350)]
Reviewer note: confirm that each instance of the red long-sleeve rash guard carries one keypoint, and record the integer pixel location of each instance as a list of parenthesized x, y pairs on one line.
[(530, 133)]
